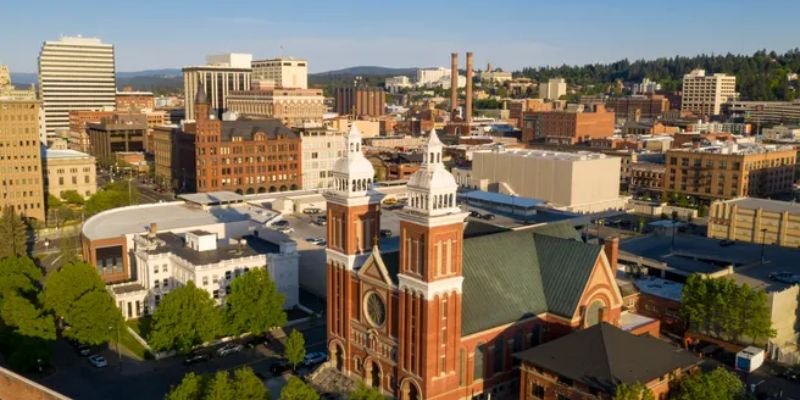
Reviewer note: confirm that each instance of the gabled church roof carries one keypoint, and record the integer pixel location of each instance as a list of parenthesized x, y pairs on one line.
[(510, 275)]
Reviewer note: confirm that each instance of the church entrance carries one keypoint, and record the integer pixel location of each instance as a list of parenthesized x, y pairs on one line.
[(410, 391), (372, 374)]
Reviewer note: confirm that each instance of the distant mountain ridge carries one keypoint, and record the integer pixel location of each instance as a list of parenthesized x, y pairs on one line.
[(26, 78), (367, 71)]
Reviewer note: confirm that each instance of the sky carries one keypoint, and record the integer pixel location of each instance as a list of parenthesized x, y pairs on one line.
[(511, 34)]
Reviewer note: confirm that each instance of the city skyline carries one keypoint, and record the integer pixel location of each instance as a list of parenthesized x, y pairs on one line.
[(392, 35)]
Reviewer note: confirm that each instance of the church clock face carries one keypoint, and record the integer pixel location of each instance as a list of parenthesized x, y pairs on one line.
[(375, 310)]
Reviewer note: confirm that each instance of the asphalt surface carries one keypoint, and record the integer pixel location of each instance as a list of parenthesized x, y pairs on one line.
[(73, 376)]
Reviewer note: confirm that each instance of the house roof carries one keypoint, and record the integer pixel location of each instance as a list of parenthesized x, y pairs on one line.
[(604, 356)]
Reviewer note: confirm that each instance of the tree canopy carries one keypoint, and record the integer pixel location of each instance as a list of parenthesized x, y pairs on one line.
[(295, 348), (117, 194), (721, 308), (186, 317), (76, 294), (243, 385), (718, 384), (254, 304), (296, 389), (365, 392), (636, 391), (72, 197), (760, 76), (14, 233)]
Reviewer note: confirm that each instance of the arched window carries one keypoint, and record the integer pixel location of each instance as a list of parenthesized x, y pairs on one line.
[(593, 313), (478, 363)]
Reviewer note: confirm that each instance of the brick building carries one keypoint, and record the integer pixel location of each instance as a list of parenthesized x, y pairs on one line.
[(730, 170), (591, 363), (363, 101), (567, 127), (648, 106), (516, 108), (439, 314), (244, 156), (130, 100), (294, 107), (646, 178)]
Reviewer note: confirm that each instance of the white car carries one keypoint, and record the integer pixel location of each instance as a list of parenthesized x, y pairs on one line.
[(229, 348), (286, 230), (98, 361)]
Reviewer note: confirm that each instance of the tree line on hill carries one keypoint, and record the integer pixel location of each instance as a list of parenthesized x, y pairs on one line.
[(760, 76)]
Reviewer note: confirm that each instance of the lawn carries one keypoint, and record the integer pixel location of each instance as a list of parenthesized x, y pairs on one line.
[(129, 342), (142, 327)]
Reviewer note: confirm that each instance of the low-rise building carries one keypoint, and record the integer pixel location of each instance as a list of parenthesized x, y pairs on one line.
[(118, 132), (69, 170), (569, 126), (647, 106), (764, 113), (755, 220), (321, 148), (360, 101), (208, 239), (790, 133), (646, 178), (553, 89), (396, 84), (730, 170), (580, 181), (591, 363), (129, 100)]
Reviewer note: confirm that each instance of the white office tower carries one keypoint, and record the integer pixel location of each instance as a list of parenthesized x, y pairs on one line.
[(75, 73)]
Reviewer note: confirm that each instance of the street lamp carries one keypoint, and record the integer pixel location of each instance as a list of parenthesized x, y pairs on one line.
[(46, 243), (763, 242)]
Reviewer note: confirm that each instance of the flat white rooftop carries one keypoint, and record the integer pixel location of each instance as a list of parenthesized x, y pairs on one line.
[(752, 203), (556, 155)]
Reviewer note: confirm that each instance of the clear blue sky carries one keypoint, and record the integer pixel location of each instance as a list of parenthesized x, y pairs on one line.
[(335, 34)]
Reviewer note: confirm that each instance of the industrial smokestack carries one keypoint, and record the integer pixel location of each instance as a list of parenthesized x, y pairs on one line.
[(468, 100), (453, 86)]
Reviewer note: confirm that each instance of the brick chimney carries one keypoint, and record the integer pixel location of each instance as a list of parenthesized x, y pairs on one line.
[(468, 100), (453, 86), (153, 230), (611, 248)]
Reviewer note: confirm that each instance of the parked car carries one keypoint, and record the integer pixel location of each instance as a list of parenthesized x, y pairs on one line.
[(321, 221), (98, 361), (280, 368), (312, 210), (474, 214), (385, 233), (487, 216), (791, 374), (196, 358), (229, 348), (84, 350), (315, 358), (784, 277), (280, 224), (322, 242), (286, 230), (312, 239)]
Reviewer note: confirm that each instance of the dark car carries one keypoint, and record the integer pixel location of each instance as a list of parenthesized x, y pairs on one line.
[(280, 368), (487, 217), (385, 233), (196, 358), (474, 214), (84, 350), (281, 224)]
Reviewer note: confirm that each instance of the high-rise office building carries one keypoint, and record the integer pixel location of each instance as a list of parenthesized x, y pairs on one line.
[(704, 94), (221, 74), (20, 158), (285, 72), (75, 73)]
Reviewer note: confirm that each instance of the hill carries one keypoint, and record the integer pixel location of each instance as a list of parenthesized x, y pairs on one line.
[(168, 80), (761, 76), (371, 74)]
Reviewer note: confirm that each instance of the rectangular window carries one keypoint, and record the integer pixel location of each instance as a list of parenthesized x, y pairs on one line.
[(166, 283), (216, 294), (205, 281), (537, 391)]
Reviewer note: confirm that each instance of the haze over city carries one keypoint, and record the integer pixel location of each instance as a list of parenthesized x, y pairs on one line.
[(512, 34)]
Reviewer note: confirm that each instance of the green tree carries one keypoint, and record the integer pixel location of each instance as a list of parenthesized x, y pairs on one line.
[(718, 384), (721, 308), (186, 317), (26, 318), (254, 303), (636, 391), (72, 197), (219, 387), (66, 285), (19, 275), (68, 249), (365, 392), (190, 388), (296, 389), (52, 201), (247, 386), (295, 348), (13, 232)]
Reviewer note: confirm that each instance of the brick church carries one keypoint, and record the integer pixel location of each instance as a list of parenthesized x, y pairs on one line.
[(439, 313)]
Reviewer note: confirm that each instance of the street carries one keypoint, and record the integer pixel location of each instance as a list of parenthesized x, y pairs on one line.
[(75, 377)]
